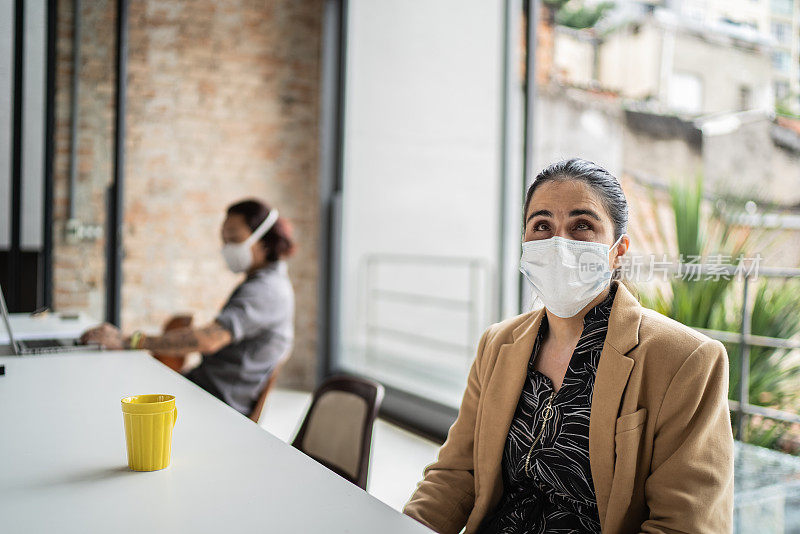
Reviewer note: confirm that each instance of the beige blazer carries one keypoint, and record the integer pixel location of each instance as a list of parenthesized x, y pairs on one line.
[(660, 438)]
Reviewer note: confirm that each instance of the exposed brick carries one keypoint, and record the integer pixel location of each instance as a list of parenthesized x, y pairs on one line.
[(222, 104)]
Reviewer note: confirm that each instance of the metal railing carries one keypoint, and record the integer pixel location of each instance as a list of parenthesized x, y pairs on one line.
[(476, 305), (472, 304)]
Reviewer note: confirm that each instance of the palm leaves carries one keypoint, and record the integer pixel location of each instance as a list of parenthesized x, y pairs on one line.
[(715, 303), (773, 374), (694, 299)]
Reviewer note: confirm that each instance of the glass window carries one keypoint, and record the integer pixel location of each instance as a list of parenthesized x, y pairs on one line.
[(781, 90), (782, 7), (781, 60), (745, 97), (422, 190), (781, 31), (686, 92)]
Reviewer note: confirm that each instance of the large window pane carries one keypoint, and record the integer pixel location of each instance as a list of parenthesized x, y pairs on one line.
[(422, 190)]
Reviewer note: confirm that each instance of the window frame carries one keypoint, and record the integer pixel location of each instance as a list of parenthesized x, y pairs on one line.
[(418, 414)]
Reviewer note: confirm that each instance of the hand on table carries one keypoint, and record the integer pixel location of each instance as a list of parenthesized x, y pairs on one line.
[(106, 335)]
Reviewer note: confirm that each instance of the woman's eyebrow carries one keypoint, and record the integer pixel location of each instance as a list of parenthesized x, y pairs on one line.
[(590, 213), (546, 213), (573, 213)]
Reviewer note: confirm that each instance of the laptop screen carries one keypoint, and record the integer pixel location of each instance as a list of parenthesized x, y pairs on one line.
[(7, 322)]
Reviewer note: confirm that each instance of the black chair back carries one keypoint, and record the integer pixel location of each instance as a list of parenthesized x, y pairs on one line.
[(337, 429)]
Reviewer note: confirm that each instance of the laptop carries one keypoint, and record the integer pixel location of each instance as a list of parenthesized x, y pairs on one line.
[(38, 346)]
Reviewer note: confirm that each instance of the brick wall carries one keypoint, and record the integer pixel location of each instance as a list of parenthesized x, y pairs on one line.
[(79, 269), (222, 104)]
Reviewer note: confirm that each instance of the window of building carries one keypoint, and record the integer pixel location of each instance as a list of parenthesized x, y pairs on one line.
[(781, 60), (745, 97), (781, 90), (686, 92), (782, 7), (781, 31)]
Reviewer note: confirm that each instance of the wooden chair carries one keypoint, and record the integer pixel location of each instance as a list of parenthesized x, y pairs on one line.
[(174, 362), (337, 429), (258, 408)]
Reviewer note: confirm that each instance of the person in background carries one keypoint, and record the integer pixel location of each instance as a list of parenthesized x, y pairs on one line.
[(254, 331)]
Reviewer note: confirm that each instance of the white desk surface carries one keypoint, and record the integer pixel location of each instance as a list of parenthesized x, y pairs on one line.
[(64, 467), (45, 327)]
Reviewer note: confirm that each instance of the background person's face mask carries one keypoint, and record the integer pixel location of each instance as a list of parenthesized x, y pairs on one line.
[(566, 274), (239, 256)]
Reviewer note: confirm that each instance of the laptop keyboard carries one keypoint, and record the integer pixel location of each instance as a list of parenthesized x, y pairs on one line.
[(62, 348), (40, 343), (50, 346)]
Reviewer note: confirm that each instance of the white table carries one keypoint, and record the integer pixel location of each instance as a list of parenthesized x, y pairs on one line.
[(64, 468), (50, 326)]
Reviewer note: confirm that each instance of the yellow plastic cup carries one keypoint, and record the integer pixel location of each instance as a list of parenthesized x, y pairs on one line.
[(148, 430)]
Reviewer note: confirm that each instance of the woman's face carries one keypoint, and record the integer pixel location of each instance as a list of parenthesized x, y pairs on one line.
[(236, 230), (572, 210)]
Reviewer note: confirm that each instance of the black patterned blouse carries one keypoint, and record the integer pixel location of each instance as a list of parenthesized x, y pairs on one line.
[(556, 495)]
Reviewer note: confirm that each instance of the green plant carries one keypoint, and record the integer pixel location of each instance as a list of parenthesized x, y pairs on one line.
[(555, 4), (579, 16), (697, 300), (765, 432), (784, 106), (774, 376), (715, 304)]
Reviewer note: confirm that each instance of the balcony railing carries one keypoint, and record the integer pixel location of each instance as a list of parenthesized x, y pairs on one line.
[(476, 302)]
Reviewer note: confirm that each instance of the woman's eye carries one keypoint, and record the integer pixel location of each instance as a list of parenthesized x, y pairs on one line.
[(541, 226), (582, 226)]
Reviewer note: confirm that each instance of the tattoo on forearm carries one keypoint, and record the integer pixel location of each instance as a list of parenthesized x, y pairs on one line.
[(185, 340), (174, 342)]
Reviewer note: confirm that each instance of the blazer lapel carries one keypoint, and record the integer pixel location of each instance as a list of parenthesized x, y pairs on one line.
[(500, 399), (502, 393), (611, 378)]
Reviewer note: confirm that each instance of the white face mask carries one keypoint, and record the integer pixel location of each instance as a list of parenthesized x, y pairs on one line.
[(566, 274), (239, 256)]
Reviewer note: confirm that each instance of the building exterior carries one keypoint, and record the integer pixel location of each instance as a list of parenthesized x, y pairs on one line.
[(671, 63), (749, 155), (779, 19)]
